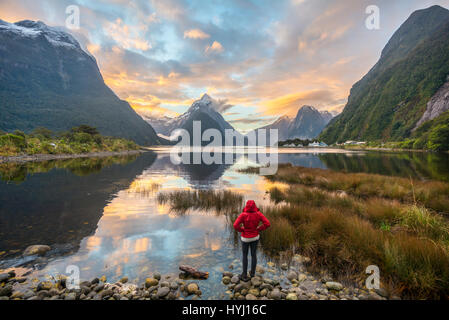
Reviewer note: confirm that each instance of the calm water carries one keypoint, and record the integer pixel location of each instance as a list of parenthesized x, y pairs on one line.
[(102, 215)]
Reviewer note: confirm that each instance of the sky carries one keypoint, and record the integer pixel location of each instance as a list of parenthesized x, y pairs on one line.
[(260, 59)]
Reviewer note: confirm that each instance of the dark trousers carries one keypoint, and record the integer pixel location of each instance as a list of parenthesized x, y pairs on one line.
[(245, 247)]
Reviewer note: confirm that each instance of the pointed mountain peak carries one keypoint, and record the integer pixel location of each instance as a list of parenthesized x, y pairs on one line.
[(206, 98), (307, 108)]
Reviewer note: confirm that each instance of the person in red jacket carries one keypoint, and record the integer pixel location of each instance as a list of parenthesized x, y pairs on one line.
[(250, 222)]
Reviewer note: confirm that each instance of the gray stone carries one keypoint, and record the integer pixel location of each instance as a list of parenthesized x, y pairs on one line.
[(38, 249), (292, 275), (106, 293), (99, 287), (267, 286), (162, 292), (4, 277), (235, 279), (157, 276), (275, 294), (336, 286), (173, 285), (256, 281)]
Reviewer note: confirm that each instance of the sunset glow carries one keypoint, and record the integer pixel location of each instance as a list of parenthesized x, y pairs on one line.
[(264, 58)]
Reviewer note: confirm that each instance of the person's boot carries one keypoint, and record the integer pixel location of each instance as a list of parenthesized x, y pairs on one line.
[(252, 274), (244, 277)]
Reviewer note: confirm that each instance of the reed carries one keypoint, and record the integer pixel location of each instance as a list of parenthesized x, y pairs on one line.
[(221, 201), (430, 194)]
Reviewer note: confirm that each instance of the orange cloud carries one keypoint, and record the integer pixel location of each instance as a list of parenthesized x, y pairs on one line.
[(215, 47), (195, 34), (126, 36)]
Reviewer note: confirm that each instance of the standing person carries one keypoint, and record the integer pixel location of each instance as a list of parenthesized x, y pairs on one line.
[(249, 223)]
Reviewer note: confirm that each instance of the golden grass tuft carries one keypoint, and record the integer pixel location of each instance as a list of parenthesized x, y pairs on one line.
[(183, 200)]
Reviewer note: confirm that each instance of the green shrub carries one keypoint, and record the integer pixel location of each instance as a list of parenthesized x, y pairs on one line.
[(85, 129), (44, 132), (13, 140), (439, 138), (82, 137)]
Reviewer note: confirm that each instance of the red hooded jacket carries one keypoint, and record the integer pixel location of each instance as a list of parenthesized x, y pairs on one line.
[(250, 218)]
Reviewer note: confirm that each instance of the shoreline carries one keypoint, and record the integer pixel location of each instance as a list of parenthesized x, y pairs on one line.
[(47, 157)]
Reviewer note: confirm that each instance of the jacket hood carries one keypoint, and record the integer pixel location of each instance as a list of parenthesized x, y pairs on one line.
[(250, 206)]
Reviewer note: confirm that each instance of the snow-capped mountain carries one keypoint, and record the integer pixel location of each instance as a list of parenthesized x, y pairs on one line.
[(203, 110), (57, 36), (307, 124), (48, 80)]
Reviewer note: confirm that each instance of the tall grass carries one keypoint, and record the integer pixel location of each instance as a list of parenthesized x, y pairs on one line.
[(347, 243), (182, 200), (347, 222), (431, 194)]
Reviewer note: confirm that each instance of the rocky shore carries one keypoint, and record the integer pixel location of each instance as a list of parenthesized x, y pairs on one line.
[(295, 284), (272, 282), (157, 287)]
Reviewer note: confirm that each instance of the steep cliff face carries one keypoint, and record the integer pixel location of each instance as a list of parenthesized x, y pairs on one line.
[(437, 105), (387, 103), (309, 123), (48, 80)]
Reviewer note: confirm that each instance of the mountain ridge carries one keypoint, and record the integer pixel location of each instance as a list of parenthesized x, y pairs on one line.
[(307, 124), (389, 100), (48, 80)]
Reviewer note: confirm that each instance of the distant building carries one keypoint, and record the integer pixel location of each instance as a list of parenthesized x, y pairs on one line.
[(354, 143)]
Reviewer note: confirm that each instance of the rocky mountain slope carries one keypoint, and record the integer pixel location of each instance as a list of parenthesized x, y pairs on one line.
[(389, 102), (308, 124), (203, 110), (48, 80)]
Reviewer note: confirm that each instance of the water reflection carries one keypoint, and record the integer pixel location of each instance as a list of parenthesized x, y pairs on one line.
[(60, 202), (419, 165), (106, 210)]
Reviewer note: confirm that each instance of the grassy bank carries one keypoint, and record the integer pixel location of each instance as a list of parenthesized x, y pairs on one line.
[(82, 139), (431, 194), (346, 222)]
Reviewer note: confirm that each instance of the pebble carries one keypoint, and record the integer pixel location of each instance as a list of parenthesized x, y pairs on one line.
[(38, 249), (336, 286), (192, 288), (162, 292)]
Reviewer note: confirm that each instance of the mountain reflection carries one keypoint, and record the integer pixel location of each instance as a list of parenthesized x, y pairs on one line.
[(60, 202)]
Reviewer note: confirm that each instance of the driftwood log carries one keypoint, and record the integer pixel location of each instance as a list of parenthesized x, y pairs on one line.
[(194, 273)]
